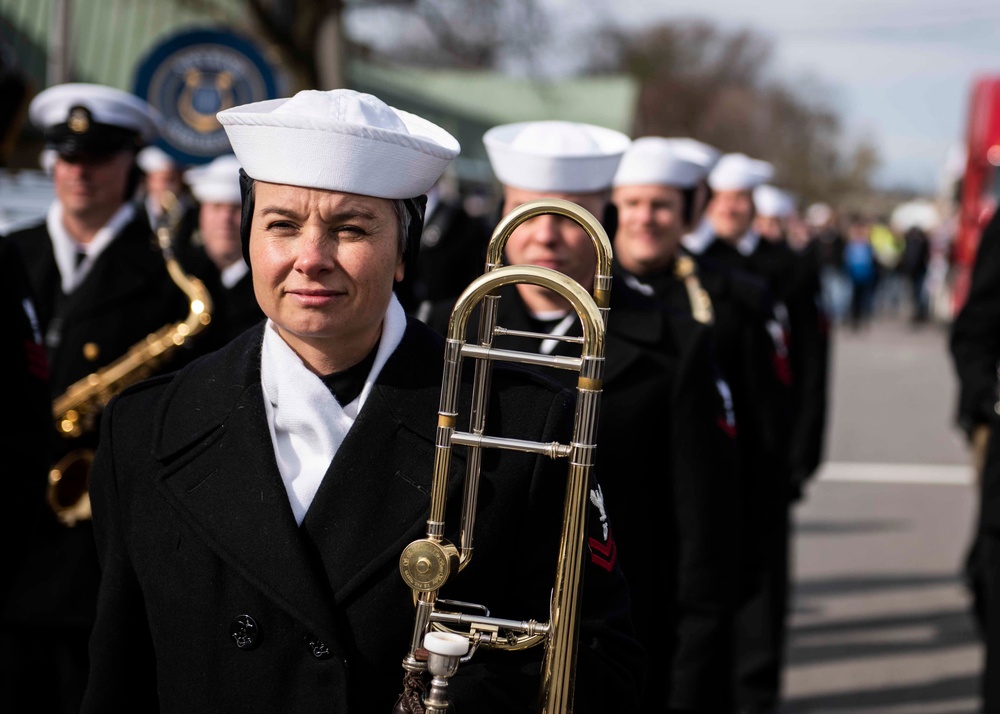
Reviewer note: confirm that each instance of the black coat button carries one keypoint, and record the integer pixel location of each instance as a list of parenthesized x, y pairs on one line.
[(319, 649), (244, 632)]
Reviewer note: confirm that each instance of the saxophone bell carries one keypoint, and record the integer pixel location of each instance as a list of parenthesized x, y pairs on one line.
[(68, 494)]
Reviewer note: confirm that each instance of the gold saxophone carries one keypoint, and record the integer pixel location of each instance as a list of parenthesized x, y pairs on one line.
[(77, 409)]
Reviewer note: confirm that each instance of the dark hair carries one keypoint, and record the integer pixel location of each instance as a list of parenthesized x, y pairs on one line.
[(134, 179), (688, 198), (403, 220)]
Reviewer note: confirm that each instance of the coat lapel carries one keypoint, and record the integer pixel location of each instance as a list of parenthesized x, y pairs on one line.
[(634, 325), (221, 475), (375, 498)]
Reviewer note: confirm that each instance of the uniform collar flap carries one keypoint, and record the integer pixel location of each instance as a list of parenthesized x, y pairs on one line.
[(209, 389)]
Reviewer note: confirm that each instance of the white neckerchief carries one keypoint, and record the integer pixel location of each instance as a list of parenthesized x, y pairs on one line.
[(560, 328), (306, 422), (153, 211), (748, 243), (65, 249), (234, 273), (640, 287), (698, 240)]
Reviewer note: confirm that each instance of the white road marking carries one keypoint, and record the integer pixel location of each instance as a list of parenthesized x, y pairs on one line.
[(944, 474)]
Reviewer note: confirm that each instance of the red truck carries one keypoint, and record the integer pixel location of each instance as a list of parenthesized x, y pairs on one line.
[(980, 186)]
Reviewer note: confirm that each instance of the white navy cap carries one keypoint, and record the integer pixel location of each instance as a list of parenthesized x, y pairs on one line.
[(216, 182), (339, 140), (652, 160), (697, 152), (561, 156), (773, 202), (738, 172), (819, 214), (92, 118), (153, 158)]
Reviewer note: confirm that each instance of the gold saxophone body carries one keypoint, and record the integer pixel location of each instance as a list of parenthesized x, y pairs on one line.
[(76, 411)]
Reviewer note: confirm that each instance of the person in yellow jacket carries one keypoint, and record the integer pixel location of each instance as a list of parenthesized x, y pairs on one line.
[(888, 249)]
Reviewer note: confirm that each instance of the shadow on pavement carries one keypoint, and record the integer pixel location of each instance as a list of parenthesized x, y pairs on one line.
[(848, 527), (839, 638), (922, 633)]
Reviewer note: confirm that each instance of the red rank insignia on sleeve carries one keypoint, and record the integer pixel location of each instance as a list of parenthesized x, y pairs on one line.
[(603, 554)]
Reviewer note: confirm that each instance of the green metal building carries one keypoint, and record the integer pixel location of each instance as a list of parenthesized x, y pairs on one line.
[(108, 39)]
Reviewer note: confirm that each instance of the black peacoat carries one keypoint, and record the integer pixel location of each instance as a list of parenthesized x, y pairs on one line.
[(50, 606), (196, 539), (975, 349), (126, 295), (756, 356), (794, 278), (26, 440)]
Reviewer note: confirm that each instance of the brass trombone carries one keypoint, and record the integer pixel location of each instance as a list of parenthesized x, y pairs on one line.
[(427, 564)]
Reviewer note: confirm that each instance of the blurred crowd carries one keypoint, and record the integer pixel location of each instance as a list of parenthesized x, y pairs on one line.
[(874, 267)]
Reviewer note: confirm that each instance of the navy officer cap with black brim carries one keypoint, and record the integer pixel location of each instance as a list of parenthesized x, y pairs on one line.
[(79, 118)]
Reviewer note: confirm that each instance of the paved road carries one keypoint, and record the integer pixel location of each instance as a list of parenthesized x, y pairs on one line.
[(880, 620)]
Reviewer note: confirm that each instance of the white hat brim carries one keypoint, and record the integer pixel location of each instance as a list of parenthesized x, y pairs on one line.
[(654, 161), (541, 171), (317, 152)]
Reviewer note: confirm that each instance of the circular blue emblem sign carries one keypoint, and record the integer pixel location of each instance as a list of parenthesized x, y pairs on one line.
[(193, 75)]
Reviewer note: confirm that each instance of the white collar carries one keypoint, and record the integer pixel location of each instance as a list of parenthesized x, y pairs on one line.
[(558, 330), (232, 274), (698, 240), (748, 243), (633, 282), (306, 422), (153, 210), (65, 248)]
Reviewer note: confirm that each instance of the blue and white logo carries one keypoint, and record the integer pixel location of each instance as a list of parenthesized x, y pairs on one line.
[(193, 75)]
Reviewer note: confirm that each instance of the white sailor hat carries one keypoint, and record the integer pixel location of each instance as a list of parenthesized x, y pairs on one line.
[(773, 202), (561, 156), (818, 215), (339, 140), (697, 152), (738, 172), (93, 119), (153, 158), (216, 182), (652, 160)]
